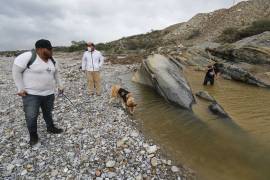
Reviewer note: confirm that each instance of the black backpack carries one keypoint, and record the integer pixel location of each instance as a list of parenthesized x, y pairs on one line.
[(33, 58)]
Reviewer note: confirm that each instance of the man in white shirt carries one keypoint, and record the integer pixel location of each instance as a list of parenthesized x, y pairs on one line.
[(35, 74), (92, 62)]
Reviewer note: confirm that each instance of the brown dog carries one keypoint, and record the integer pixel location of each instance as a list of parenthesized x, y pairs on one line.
[(128, 101)]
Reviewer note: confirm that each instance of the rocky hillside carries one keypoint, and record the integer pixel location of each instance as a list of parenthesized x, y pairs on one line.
[(200, 28), (209, 26)]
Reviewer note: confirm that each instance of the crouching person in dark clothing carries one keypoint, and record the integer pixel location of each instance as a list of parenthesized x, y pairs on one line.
[(35, 74), (209, 76)]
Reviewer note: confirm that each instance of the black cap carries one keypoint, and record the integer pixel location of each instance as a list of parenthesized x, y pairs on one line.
[(43, 43)]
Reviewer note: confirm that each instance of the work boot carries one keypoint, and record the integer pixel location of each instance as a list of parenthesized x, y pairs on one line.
[(54, 130), (33, 139)]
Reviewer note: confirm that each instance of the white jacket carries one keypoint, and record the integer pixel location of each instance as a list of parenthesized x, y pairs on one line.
[(92, 61)]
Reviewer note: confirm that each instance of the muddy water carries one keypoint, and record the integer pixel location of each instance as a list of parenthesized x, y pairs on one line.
[(215, 148)]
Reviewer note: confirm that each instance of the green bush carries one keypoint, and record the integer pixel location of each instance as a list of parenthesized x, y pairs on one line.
[(77, 46), (229, 35), (103, 46), (257, 27)]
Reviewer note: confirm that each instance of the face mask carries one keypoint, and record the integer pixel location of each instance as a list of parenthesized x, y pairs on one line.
[(90, 49)]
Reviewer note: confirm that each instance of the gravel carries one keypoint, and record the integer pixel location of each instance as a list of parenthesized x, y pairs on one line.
[(99, 142)]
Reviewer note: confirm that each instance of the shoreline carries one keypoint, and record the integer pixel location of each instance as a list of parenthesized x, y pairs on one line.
[(102, 142)]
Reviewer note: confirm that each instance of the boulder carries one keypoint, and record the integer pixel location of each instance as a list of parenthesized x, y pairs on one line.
[(167, 78), (218, 110), (232, 71), (205, 95), (253, 50)]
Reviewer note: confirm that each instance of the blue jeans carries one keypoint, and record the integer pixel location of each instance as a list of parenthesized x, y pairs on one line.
[(31, 105)]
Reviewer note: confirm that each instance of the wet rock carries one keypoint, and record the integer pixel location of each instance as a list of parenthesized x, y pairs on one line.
[(218, 110), (169, 162), (174, 169), (239, 74), (151, 149), (205, 95)]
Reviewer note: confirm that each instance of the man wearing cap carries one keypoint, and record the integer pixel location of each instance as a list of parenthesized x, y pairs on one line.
[(35, 79), (92, 62)]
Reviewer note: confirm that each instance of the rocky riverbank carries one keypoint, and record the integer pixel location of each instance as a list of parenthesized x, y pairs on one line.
[(99, 142)]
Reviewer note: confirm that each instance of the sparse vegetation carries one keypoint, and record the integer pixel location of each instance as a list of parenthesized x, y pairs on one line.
[(194, 33), (77, 46), (232, 34)]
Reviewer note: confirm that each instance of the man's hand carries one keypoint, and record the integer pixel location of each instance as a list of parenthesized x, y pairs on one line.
[(60, 91), (22, 93)]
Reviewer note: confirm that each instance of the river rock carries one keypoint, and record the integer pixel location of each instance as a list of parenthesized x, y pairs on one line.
[(134, 134), (122, 142), (54, 173), (154, 162), (237, 73), (174, 169), (139, 177), (10, 167), (151, 149), (98, 173), (111, 174), (167, 78), (90, 139), (24, 172), (218, 110), (110, 164), (205, 95)]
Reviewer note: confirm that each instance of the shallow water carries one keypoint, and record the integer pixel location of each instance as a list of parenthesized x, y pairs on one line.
[(215, 148)]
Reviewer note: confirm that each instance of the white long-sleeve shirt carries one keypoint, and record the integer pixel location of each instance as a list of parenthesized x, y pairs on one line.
[(92, 61), (40, 79)]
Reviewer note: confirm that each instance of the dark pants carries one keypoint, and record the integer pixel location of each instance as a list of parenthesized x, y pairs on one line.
[(31, 105), (209, 79)]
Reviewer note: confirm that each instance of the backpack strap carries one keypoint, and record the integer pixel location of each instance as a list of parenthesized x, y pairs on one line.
[(53, 61), (33, 58)]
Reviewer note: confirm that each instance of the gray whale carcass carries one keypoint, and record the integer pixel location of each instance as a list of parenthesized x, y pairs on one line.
[(167, 78)]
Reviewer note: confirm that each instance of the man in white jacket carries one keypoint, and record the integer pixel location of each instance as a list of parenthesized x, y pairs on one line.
[(92, 62)]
